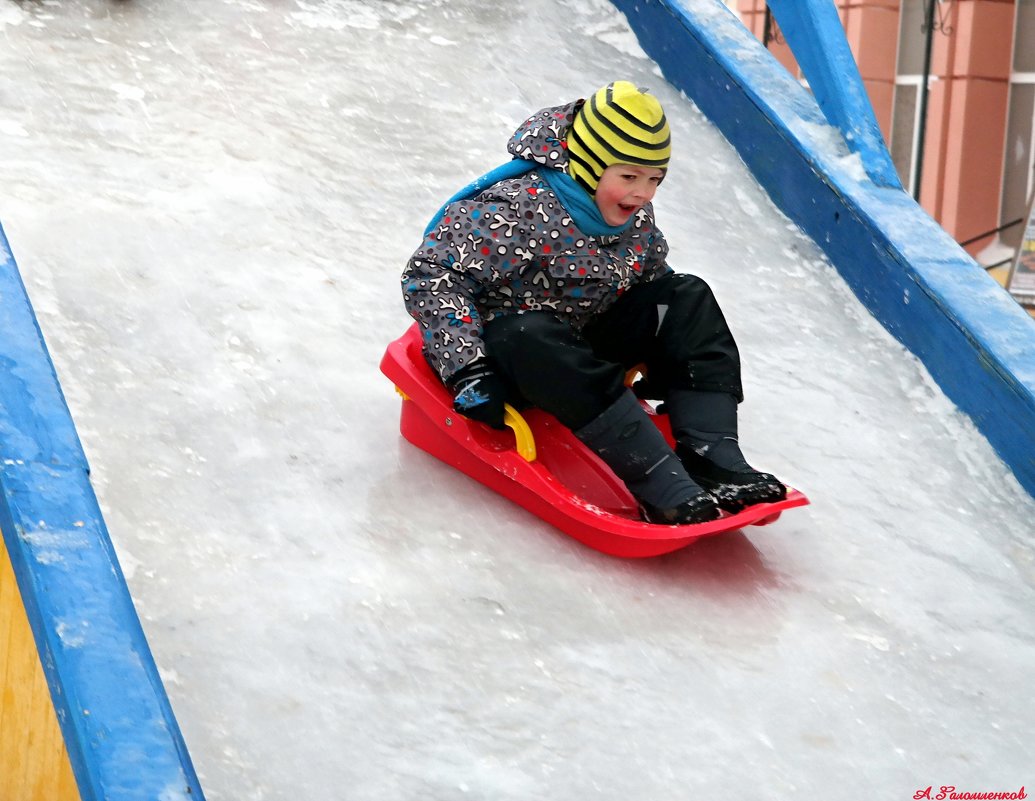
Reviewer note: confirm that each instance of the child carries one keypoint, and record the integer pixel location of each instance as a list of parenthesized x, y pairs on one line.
[(545, 280)]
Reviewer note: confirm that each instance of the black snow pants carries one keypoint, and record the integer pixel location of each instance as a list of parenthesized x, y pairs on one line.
[(673, 326)]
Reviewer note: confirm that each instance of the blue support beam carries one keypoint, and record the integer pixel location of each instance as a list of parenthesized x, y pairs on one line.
[(813, 30)]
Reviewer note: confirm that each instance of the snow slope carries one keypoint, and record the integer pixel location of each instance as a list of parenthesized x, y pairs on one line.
[(211, 203)]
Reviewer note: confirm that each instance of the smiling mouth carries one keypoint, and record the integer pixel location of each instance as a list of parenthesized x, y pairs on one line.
[(626, 209)]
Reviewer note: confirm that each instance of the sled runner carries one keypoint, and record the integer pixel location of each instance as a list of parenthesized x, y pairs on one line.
[(542, 466)]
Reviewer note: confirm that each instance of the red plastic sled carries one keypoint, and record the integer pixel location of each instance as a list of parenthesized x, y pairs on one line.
[(543, 467)]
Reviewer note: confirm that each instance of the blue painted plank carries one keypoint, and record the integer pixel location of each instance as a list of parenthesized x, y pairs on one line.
[(122, 737), (977, 343), (814, 32)]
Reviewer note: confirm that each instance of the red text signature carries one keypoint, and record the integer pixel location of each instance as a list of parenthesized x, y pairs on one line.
[(948, 792)]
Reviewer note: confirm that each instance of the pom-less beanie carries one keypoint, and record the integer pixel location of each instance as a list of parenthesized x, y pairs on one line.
[(619, 124)]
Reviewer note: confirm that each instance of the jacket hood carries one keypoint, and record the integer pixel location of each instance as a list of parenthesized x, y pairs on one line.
[(541, 138)]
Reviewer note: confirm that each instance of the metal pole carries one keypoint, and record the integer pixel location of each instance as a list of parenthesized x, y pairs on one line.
[(922, 133)]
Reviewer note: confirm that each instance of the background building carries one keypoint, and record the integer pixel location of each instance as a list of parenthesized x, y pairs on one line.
[(968, 156)]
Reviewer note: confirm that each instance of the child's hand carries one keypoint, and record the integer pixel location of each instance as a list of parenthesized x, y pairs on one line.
[(479, 394), (644, 390)]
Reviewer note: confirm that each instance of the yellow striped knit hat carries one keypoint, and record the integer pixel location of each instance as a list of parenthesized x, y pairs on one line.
[(620, 124)]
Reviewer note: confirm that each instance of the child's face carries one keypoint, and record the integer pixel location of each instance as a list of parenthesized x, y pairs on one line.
[(624, 189)]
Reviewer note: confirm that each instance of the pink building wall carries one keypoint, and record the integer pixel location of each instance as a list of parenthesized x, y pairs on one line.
[(967, 118)]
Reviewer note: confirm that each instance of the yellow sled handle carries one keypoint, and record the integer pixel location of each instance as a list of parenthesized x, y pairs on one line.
[(522, 433), (524, 441)]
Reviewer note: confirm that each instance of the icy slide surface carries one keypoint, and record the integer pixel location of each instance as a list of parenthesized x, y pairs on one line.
[(211, 203)]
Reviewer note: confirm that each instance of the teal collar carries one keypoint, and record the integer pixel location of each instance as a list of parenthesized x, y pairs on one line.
[(582, 208)]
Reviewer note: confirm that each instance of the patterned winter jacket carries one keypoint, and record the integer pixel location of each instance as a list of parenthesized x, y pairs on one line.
[(513, 248)]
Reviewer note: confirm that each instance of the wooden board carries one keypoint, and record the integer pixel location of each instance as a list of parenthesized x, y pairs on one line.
[(34, 764)]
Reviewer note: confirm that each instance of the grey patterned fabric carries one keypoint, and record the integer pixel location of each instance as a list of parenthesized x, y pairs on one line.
[(514, 248)]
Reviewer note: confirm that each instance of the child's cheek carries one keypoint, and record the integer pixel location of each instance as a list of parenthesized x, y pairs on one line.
[(605, 199)]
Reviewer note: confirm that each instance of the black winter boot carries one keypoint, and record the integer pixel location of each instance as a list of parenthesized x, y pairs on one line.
[(631, 445), (704, 425)]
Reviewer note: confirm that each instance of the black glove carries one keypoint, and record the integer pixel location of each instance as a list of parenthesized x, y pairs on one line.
[(645, 390), (479, 394)]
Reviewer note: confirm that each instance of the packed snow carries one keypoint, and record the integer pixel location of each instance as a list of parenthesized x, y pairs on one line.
[(211, 204)]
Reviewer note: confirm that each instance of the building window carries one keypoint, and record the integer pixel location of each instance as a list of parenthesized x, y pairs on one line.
[(905, 119), (1018, 169), (1019, 159), (1024, 56), (905, 122)]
